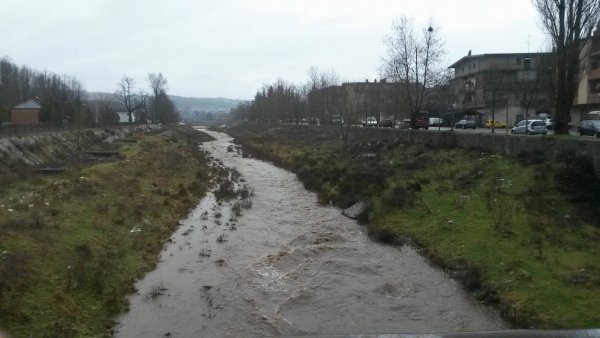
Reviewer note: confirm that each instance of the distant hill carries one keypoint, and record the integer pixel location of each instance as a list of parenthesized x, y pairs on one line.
[(200, 103), (192, 103)]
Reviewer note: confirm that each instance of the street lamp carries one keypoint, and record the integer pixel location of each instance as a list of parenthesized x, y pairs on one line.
[(79, 127)]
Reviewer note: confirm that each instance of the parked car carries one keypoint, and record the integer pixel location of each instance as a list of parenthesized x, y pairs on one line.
[(549, 124), (589, 127), (337, 120), (464, 124), (314, 120), (530, 127), (435, 121), (403, 124), (387, 123), (496, 124), (370, 122)]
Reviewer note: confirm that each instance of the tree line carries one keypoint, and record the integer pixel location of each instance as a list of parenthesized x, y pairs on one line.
[(413, 78), (417, 78), (63, 98)]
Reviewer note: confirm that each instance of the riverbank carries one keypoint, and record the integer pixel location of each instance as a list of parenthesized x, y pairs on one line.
[(520, 233), (283, 265), (72, 245)]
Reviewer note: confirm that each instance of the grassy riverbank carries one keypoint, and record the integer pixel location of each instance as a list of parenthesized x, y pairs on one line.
[(520, 233), (72, 245)]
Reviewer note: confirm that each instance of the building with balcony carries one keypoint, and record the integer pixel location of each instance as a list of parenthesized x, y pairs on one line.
[(510, 84), (588, 88)]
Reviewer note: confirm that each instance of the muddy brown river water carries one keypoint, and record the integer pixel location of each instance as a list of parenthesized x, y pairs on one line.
[(291, 267)]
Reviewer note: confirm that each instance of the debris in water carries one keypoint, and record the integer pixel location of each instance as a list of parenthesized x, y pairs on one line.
[(222, 238)]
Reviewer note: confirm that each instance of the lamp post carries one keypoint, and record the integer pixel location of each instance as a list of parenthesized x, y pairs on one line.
[(79, 127)]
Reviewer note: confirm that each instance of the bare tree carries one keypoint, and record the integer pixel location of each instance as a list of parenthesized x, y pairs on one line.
[(494, 86), (569, 24), (105, 115), (414, 58), (158, 84), (125, 94), (450, 93), (346, 103)]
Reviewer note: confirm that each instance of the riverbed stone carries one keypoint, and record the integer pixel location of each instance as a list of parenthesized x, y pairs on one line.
[(355, 211)]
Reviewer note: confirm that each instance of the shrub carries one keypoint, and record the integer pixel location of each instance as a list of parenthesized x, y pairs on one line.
[(576, 179), (401, 197)]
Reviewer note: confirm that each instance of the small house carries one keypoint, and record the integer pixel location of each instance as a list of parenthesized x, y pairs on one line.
[(27, 112)]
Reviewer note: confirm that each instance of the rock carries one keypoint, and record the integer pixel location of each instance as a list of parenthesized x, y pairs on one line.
[(355, 211)]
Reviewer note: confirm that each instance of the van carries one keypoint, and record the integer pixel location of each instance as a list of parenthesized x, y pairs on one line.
[(422, 120)]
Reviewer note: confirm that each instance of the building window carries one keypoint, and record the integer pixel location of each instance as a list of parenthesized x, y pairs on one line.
[(474, 66), (463, 69), (520, 118), (518, 60)]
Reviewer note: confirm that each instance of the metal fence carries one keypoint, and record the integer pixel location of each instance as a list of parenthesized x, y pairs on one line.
[(10, 130)]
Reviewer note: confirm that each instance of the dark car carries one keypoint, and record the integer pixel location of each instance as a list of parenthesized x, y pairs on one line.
[(589, 127), (314, 120), (464, 124), (386, 123)]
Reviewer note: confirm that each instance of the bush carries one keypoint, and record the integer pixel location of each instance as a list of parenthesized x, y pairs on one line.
[(577, 181), (401, 197)]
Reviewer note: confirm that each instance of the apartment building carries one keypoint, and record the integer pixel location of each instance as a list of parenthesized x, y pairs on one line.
[(588, 88), (509, 84)]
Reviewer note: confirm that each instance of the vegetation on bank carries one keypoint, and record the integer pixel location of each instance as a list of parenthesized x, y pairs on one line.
[(72, 245), (520, 233)]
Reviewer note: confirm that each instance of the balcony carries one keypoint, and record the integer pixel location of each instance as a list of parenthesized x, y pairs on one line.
[(594, 74), (465, 89)]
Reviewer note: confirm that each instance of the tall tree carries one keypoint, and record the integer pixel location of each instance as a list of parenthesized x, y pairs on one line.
[(125, 94), (414, 59), (494, 82), (158, 84), (450, 93), (568, 23)]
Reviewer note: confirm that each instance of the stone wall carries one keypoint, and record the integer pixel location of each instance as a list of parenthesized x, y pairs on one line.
[(34, 150)]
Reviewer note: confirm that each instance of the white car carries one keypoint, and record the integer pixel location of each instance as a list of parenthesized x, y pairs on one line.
[(549, 124), (533, 127), (370, 122)]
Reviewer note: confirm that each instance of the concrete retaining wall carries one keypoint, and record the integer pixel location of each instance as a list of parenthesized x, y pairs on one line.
[(501, 144), (39, 149)]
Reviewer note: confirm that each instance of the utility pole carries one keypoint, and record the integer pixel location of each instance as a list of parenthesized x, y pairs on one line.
[(506, 129)]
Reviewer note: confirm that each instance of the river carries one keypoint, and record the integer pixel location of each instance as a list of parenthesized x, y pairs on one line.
[(290, 267)]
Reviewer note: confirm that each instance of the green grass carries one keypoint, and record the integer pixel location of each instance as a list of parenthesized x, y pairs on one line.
[(68, 274), (507, 228)]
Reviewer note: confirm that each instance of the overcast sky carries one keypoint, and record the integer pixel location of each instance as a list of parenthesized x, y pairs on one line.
[(228, 48)]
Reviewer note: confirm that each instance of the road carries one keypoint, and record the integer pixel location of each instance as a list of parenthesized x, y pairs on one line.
[(486, 130)]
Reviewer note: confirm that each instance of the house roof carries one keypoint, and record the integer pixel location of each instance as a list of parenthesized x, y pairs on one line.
[(469, 57), (31, 104)]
